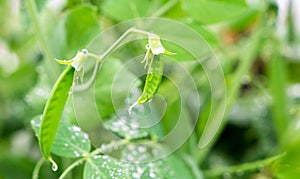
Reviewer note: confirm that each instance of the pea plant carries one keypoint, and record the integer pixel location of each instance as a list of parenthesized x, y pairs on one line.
[(70, 141), (149, 89)]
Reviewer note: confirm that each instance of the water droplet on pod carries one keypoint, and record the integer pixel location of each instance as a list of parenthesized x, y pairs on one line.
[(54, 165)]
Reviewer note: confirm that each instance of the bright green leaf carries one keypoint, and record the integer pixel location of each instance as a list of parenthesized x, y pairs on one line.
[(122, 10), (288, 165), (135, 125), (103, 166), (81, 26), (209, 36), (70, 141), (208, 12), (150, 162)]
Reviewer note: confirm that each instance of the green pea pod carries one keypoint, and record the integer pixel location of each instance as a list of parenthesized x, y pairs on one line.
[(53, 110), (153, 79)]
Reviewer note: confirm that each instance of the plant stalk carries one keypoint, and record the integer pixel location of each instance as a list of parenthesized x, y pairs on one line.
[(241, 168), (101, 57)]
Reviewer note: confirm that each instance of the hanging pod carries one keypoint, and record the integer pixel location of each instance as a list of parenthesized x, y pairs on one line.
[(153, 79), (154, 62), (56, 103)]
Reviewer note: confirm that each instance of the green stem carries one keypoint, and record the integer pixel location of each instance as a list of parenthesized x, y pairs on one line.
[(242, 168), (123, 37), (72, 166), (280, 114), (164, 8), (35, 173), (108, 147), (89, 83), (96, 57), (100, 58)]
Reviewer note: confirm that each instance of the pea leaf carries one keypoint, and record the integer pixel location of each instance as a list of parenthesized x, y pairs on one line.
[(212, 11), (129, 9), (81, 25), (135, 125), (104, 166), (76, 27), (70, 140), (147, 162), (137, 161), (204, 32)]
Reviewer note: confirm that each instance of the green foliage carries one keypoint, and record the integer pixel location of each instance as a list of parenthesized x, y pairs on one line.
[(76, 23), (128, 9), (69, 141), (118, 124), (208, 12), (146, 166), (257, 137), (104, 166)]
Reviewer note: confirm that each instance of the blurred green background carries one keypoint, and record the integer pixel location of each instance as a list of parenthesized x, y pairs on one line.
[(258, 46)]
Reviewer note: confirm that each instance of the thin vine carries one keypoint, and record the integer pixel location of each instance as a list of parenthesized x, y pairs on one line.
[(242, 167), (108, 147)]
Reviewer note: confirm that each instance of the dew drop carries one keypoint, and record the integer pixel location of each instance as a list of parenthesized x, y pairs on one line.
[(76, 153), (141, 149), (152, 175), (85, 136), (103, 147), (54, 165), (135, 175), (75, 129), (96, 157), (130, 157)]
